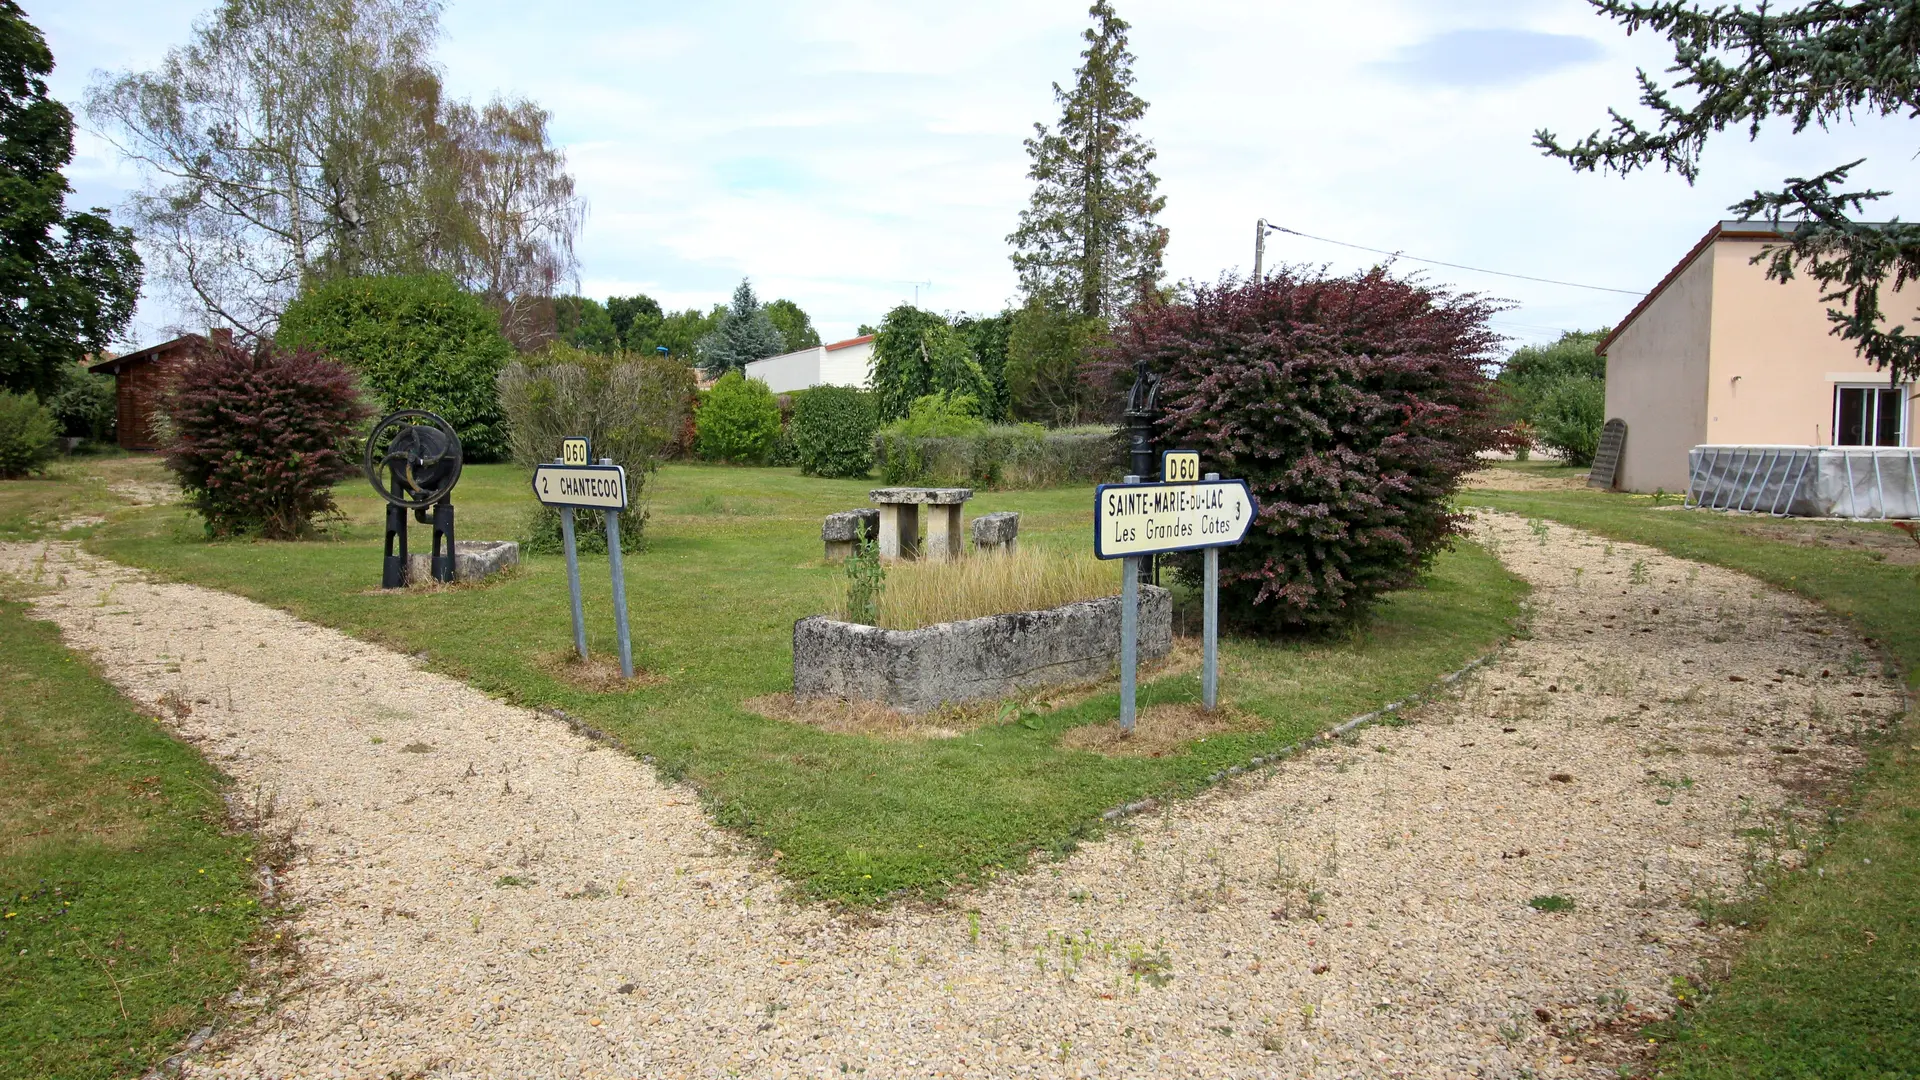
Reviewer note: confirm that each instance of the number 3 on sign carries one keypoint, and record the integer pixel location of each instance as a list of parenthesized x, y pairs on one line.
[(1180, 467)]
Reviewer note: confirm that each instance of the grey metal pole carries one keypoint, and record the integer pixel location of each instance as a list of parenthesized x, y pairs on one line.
[(1129, 633), (1210, 628), (573, 581), (1259, 246), (619, 588)]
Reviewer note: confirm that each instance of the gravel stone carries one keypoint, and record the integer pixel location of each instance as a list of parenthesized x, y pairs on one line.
[(523, 901)]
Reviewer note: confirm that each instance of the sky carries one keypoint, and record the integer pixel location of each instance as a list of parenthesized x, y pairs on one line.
[(850, 155)]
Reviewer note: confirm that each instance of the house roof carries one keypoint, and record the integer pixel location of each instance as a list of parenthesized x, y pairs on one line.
[(141, 356), (850, 342), (1722, 230)]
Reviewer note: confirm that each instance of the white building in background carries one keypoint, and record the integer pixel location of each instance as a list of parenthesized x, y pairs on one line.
[(843, 363)]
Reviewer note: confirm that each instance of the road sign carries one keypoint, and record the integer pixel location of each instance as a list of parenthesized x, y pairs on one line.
[(588, 487), (1180, 467), (576, 450), (1147, 519)]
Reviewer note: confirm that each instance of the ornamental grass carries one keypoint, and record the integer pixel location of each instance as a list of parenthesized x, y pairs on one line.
[(913, 595)]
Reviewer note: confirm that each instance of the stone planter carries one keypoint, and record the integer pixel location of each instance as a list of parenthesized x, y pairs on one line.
[(979, 659), (472, 561)]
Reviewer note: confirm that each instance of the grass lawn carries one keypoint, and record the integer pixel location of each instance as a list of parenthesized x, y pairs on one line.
[(123, 902), (734, 557), (1829, 987)]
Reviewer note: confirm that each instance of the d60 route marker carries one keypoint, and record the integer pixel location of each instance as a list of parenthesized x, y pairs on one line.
[(1148, 519), (1180, 467), (586, 487), (575, 450)]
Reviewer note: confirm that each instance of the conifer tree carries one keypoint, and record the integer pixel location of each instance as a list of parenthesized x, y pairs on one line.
[(746, 333), (1088, 243), (1817, 63)]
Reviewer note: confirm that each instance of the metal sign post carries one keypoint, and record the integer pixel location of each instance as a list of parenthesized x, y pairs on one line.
[(571, 484), (1132, 519)]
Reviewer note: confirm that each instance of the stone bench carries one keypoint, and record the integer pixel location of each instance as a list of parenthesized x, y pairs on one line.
[(844, 531), (900, 521), (997, 532)]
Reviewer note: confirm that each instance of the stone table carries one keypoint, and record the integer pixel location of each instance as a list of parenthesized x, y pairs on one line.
[(900, 521)]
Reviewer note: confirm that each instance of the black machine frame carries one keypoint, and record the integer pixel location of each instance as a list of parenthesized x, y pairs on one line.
[(419, 477)]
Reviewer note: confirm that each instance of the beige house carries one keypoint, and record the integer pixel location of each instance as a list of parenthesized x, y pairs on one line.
[(1719, 354)]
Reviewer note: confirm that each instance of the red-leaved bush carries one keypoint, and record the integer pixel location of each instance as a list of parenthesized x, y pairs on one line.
[(258, 439), (1350, 405)]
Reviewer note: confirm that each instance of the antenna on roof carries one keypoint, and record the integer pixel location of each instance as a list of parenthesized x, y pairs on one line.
[(916, 288)]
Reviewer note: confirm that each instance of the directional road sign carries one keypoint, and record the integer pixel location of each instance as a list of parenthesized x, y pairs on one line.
[(1146, 519), (590, 487)]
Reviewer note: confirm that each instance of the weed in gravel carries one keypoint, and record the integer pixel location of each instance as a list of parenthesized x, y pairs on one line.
[(1637, 574), (1551, 903), (1539, 530), (1153, 968)]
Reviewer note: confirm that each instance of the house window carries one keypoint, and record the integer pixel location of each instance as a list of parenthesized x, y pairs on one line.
[(1869, 416)]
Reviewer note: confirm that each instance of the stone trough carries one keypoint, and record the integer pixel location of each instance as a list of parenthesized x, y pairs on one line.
[(976, 660), (472, 561)]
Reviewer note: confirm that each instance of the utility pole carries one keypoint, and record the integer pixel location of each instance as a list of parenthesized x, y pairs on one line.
[(1259, 246)]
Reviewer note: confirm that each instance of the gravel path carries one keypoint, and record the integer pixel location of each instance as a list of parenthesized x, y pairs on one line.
[(481, 893)]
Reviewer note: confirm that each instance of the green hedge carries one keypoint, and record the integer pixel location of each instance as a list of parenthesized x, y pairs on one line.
[(832, 431), (26, 434), (1006, 457)]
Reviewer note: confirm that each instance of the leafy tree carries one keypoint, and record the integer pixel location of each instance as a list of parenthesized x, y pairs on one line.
[(746, 333), (989, 336), (1816, 63), (584, 324), (916, 353), (1572, 410), (294, 141), (27, 433), (419, 342), (635, 318), (1088, 242), (1532, 370), (680, 333), (1047, 365), (796, 328), (1351, 405), (274, 474), (739, 420), (68, 282), (85, 405)]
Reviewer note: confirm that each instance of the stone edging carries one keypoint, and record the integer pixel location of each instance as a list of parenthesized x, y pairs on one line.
[(1126, 810)]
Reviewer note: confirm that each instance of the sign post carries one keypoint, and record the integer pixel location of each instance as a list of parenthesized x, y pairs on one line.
[(1132, 519), (569, 484)]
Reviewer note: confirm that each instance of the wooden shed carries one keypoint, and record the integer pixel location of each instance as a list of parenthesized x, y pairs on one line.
[(138, 380)]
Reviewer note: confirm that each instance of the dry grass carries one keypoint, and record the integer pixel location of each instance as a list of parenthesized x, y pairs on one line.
[(1159, 730), (600, 674), (920, 594)]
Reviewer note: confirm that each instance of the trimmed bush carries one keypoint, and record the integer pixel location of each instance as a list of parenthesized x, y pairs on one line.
[(26, 435), (258, 439), (738, 420), (1009, 457), (419, 341), (1570, 413), (1351, 405), (832, 431)]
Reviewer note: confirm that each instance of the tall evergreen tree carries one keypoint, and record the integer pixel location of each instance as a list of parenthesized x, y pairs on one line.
[(745, 334), (1816, 63), (68, 282), (1089, 242)]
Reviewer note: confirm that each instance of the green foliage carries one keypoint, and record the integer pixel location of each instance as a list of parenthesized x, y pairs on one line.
[(1088, 242), (988, 336), (916, 353), (418, 342), (739, 420), (1818, 64), (1572, 411), (938, 415), (26, 435), (1048, 353), (1013, 457), (795, 326), (635, 319), (866, 582), (117, 853), (68, 282), (540, 531), (832, 431), (584, 324), (745, 333), (85, 406)]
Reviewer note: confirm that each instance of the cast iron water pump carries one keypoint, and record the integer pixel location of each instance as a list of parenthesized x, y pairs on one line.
[(419, 456)]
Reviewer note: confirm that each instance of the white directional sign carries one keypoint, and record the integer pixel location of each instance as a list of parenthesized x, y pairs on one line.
[(1145, 519), (592, 487)]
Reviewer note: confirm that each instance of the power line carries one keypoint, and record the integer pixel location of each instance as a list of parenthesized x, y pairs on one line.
[(1456, 266)]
